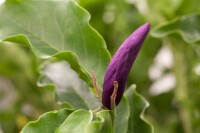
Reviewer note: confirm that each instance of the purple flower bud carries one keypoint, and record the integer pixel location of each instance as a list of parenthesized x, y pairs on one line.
[(121, 63)]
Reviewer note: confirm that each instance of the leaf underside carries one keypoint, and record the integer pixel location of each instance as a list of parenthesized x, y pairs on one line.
[(69, 87)]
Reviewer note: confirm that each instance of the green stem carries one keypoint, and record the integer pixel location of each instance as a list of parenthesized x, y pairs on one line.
[(179, 50), (113, 115)]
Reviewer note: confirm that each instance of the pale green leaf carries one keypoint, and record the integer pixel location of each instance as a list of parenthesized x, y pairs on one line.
[(186, 26), (77, 122), (48, 122)]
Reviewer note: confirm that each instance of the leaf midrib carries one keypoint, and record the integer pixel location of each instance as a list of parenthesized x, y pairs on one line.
[(32, 33)]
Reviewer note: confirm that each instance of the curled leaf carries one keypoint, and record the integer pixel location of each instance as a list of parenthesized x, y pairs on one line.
[(186, 26)]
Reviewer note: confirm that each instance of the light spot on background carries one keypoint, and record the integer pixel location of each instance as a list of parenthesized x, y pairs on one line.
[(109, 14), (164, 84), (2, 1), (162, 81), (197, 70)]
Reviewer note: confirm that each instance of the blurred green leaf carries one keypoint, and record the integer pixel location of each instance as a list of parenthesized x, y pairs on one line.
[(56, 28), (69, 87), (48, 122), (137, 104), (186, 26)]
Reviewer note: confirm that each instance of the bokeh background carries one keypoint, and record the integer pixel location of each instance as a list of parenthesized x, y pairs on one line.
[(166, 72)]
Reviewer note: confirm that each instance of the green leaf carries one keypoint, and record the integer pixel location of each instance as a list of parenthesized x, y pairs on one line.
[(77, 122), (138, 104), (122, 116), (48, 122), (70, 121), (101, 124), (82, 121), (186, 26), (69, 87), (56, 28)]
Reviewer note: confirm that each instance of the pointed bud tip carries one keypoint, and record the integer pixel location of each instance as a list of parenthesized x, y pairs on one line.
[(148, 24), (139, 34), (145, 27)]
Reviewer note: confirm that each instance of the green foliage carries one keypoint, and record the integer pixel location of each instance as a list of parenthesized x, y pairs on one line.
[(101, 124), (48, 122), (60, 32), (66, 34), (186, 26), (76, 122), (72, 89), (180, 33), (177, 33), (138, 104), (122, 116), (70, 121)]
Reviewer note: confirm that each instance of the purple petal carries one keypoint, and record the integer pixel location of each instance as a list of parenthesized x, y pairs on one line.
[(121, 63)]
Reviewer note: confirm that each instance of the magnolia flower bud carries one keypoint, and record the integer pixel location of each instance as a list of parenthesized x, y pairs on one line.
[(121, 63)]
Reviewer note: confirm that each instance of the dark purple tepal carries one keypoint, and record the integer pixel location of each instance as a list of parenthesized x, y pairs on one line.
[(121, 63)]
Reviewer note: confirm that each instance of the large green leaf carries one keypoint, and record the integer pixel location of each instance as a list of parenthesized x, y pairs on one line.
[(55, 28), (186, 26), (137, 123), (48, 122), (69, 87)]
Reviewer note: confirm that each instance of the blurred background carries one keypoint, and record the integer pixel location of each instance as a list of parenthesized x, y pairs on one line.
[(166, 72)]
